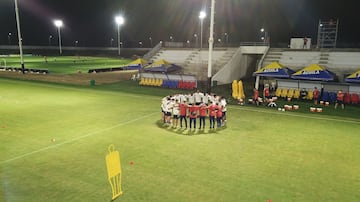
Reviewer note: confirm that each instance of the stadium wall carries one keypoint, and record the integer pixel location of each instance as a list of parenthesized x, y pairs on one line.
[(240, 64)]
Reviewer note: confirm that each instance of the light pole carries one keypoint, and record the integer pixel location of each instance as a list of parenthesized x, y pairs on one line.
[(111, 42), (150, 39), (119, 21), (59, 24), (196, 40), (211, 43), (264, 35), (171, 38), (19, 37), (140, 44), (9, 38), (202, 15), (76, 43), (219, 40), (226, 38), (50, 38)]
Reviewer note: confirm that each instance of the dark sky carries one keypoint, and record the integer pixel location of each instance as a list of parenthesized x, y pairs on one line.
[(92, 22)]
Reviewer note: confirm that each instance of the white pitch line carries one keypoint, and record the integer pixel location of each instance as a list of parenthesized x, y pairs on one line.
[(298, 115), (75, 139)]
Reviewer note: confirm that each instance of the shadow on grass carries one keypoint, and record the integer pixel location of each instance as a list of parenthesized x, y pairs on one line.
[(187, 131)]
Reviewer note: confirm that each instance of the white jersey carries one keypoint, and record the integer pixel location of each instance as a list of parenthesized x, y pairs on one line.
[(163, 103), (205, 98), (223, 104), (197, 97), (182, 98), (168, 106), (191, 99), (175, 109)]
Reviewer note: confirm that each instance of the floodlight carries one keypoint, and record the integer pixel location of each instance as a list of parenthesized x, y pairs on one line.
[(58, 23)]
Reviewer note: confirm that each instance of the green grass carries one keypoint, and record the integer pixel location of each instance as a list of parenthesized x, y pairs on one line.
[(64, 64), (261, 154)]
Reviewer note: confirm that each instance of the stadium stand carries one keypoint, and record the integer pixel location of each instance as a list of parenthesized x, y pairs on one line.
[(194, 61), (168, 80), (299, 59)]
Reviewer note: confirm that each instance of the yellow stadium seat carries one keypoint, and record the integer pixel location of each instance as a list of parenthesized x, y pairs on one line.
[(142, 81), (310, 95), (284, 93), (278, 92), (147, 81), (290, 93), (152, 82), (297, 93), (157, 82), (160, 82)]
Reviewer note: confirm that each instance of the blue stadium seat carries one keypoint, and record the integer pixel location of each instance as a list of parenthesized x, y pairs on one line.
[(332, 97), (325, 96)]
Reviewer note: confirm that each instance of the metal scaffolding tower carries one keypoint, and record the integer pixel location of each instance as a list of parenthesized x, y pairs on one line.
[(327, 33)]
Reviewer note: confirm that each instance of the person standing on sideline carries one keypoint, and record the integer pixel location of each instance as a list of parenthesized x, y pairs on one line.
[(183, 113), (305, 43), (303, 93), (256, 96), (339, 99), (316, 94), (266, 93)]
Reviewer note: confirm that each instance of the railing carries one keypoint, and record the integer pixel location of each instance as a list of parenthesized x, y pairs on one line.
[(254, 44), (153, 51)]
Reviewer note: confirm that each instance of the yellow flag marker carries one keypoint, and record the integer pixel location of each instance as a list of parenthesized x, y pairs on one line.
[(114, 171)]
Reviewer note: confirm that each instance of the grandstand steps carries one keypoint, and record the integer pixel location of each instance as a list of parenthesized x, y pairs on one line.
[(324, 58), (273, 55)]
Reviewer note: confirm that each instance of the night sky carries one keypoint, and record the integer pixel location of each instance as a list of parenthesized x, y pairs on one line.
[(92, 22)]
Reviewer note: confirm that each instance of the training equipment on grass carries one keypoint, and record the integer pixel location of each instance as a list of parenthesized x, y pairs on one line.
[(114, 171)]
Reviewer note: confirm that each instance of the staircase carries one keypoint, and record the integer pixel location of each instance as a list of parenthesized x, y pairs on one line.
[(273, 55), (324, 58)]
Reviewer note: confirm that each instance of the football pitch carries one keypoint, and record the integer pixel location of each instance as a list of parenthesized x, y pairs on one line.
[(54, 139), (63, 64)]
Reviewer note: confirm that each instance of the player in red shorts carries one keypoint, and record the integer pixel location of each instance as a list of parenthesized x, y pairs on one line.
[(316, 95)]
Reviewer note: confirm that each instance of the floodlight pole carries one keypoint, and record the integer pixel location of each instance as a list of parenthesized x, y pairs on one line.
[(119, 21), (59, 24), (201, 17), (19, 37), (211, 43), (60, 49), (118, 39)]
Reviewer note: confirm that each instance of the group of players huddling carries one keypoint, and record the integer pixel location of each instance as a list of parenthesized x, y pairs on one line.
[(194, 106)]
